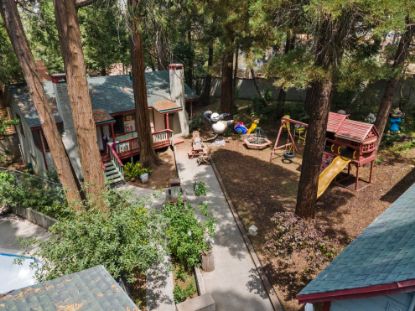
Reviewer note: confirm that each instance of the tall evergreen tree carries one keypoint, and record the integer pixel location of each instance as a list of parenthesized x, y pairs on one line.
[(80, 100), (148, 156), (20, 44)]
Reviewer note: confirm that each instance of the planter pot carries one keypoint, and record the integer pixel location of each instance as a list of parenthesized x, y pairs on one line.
[(208, 262), (144, 178)]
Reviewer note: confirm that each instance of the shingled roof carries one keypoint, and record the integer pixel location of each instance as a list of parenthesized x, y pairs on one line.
[(381, 259), (113, 94), (93, 289)]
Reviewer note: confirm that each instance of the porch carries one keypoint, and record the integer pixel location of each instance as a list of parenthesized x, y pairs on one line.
[(117, 139)]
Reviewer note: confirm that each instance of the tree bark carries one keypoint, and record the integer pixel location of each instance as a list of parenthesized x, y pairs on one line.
[(148, 156), (80, 100), (319, 98), (257, 87), (205, 97), (235, 70), (289, 46), (189, 76), (20, 44), (226, 98), (390, 89), (330, 39)]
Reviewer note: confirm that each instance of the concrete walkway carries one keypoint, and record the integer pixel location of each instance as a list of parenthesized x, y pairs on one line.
[(235, 283), (14, 228)]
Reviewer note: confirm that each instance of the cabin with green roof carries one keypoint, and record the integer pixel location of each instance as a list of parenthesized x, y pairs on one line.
[(376, 272), (169, 101)]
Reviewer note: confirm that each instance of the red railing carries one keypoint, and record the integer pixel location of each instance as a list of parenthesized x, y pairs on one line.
[(116, 159), (128, 147)]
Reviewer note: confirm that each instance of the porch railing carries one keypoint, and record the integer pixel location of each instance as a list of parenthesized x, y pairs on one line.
[(116, 159), (130, 146), (162, 137)]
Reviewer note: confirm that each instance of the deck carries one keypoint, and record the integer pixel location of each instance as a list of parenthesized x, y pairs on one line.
[(130, 147)]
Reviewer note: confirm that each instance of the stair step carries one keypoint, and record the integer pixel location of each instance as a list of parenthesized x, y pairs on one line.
[(115, 176), (117, 180), (111, 172)]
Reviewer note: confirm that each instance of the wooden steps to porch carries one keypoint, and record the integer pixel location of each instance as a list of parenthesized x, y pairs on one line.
[(112, 175)]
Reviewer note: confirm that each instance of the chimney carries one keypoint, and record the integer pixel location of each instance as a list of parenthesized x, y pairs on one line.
[(176, 76)]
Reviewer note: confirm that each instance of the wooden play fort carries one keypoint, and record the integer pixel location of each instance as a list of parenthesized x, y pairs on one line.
[(348, 143)]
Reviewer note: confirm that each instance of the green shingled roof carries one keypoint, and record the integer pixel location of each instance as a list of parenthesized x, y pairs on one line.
[(383, 254), (111, 93), (93, 289)]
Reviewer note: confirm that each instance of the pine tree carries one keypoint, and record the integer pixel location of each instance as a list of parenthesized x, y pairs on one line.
[(20, 44)]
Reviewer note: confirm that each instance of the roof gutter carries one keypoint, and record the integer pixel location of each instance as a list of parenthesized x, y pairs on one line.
[(374, 290)]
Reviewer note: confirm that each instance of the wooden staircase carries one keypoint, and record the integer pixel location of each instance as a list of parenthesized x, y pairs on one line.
[(112, 174)]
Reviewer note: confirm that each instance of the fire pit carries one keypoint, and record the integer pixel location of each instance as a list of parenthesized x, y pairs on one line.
[(256, 141)]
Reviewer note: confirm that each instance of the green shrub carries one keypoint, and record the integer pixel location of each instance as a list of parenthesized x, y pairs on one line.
[(9, 190), (32, 191), (134, 170), (181, 294), (127, 240), (199, 188), (187, 236)]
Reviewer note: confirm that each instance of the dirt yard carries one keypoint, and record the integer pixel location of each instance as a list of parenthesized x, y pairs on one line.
[(161, 175), (261, 190)]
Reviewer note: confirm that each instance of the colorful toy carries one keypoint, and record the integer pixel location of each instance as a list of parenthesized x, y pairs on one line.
[(253, 126), (395, 119), (219, 125), (240, 128)]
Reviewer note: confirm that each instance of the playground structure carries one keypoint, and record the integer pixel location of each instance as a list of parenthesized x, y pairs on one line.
[(348, 143)]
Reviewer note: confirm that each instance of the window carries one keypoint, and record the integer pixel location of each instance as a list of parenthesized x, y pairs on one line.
[(124, 124)]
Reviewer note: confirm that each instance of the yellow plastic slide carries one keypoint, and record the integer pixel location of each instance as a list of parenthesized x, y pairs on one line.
[(330, 172)]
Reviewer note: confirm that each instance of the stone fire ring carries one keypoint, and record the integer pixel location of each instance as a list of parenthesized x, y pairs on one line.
[(265, 142)]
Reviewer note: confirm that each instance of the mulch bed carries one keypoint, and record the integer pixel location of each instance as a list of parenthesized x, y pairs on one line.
[(264, 194)]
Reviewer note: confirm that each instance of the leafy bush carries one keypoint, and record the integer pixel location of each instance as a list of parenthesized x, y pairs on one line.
[(199, 188), (25, 190), (187, 236), (181, 294), (127, 240), (134, 170)]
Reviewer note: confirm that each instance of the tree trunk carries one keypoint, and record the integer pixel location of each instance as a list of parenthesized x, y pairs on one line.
[(189, 76), (257, 87), (235, 70), (205, 97), (398, 61), (330, 39), (318, 101), (226, 98), (81, 105), (148, 156), (289, 45), (20, 44)]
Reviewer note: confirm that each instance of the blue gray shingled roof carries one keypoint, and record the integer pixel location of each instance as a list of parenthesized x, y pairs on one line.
[(383, 254), (93, 289), (24, 104), (111, 93)]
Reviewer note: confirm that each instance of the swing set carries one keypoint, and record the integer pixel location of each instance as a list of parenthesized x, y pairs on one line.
[(294, 130)]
